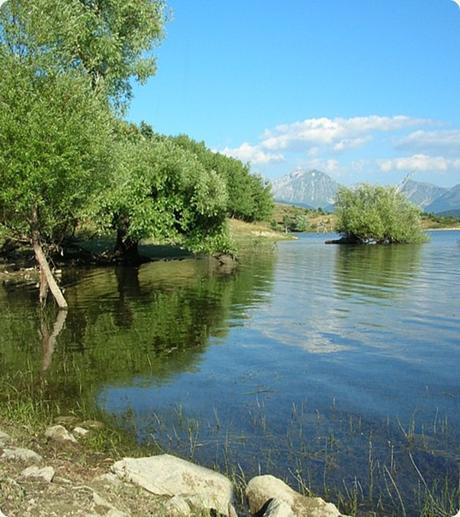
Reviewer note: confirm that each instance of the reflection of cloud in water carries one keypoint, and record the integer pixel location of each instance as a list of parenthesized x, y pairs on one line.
[(313, 342)]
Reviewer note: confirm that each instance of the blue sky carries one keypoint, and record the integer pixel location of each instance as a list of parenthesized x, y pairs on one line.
[(365, 90)]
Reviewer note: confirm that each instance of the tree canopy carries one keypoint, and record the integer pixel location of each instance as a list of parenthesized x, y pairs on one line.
[(55, 139), (161, 191), (249, 196), (377, 214), (66, 153), (109, 40)]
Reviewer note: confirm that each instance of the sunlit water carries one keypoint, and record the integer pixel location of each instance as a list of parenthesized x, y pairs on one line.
[(333, 366)]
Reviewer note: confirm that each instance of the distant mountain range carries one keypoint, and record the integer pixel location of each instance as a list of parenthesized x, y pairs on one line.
[(315, 189)]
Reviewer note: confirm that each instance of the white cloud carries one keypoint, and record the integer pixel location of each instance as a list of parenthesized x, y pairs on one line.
[(339, 133), (456, 2), (419, 163), (328, 166), (445, 140), (252, 153)]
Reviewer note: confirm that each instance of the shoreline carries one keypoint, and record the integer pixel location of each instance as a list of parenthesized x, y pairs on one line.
[(55, 469)]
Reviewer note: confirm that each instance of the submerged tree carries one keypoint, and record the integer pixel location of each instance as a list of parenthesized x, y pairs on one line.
[(377, 214), (55, 139)]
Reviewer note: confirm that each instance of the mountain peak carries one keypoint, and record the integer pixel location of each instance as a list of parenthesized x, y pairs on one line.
[(311, 188)]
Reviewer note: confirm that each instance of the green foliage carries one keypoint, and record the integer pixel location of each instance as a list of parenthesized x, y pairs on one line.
[(55, 139), (250, 197), (161, 191), (377, 214), (109, 40)]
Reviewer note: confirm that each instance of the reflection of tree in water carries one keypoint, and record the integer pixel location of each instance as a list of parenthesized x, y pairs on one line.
[(154, 321), (128, 287), (375, 271)]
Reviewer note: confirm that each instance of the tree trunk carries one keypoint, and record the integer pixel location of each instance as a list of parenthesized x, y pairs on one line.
[(49, 340), (127, 248), (46, 277)]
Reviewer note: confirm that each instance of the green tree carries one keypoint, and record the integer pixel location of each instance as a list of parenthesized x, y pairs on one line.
[(377, 214), (250, 197), (55, 139), (163, 192), (69, 57), (110, 40)]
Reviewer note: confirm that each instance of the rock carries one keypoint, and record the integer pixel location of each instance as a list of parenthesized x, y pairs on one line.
[(278, 508), (167, 475), (262, 489), (177, 506), (59, 433), (69, 420), (19, 454), (80, 431), (100, 502), (108, 479), (92, 424), (44, 474), (2, 514), (113, 512), (4, 439)]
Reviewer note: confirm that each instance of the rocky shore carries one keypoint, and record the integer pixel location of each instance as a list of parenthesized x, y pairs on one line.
[(53, 474)]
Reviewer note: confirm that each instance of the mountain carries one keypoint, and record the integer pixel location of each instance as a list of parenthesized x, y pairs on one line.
[(312, 188), (449, 202), (315, 189), (422, 194)]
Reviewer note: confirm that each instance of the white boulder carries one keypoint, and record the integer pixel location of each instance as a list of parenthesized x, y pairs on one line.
[(59, 433), (167, 475), (4, 439), (262, 489), (44, 474), (20, 454)]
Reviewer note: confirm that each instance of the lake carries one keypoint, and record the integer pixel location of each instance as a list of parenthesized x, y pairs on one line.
[(336, 368)]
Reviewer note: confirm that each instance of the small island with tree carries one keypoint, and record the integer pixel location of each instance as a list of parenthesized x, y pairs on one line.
[(369, 214)]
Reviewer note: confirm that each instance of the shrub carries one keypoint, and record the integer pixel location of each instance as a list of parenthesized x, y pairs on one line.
[(374, 214)]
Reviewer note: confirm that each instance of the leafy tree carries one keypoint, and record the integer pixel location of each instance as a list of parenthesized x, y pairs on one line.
[(55, 139), (250, 197), (68, 57), (377, 214), (109, 40), (163, 192)]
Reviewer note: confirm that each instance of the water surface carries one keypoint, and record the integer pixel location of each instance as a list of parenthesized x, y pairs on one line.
[(335, 367)]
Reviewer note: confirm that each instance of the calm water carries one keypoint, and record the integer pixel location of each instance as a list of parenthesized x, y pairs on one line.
[(337, 366)]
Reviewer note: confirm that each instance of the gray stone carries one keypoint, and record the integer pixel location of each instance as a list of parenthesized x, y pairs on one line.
[(69, 420), (80, 431), (34, 472), (59, 433), (19, 454), (167, 475), (92, 424), (111, 510), (278, 508), (262, 489), (109, 479), (177, 506), (4, 439)]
